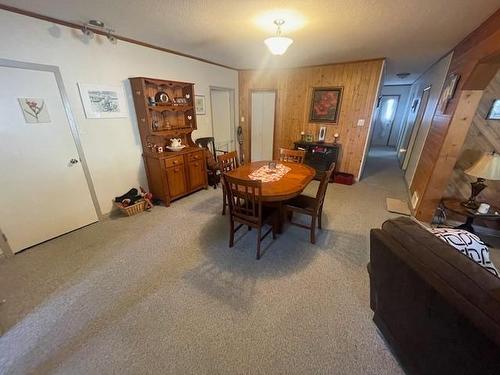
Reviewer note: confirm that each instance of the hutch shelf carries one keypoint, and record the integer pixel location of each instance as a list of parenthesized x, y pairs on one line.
[(165, 110)]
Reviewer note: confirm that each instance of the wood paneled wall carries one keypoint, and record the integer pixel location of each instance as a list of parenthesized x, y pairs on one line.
[(360, 82), (445, 138), (483, 136)]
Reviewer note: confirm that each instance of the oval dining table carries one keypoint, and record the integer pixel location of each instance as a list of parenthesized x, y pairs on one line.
[(290, 185)]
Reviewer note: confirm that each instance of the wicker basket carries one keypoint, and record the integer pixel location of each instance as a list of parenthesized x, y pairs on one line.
[(133, 209)]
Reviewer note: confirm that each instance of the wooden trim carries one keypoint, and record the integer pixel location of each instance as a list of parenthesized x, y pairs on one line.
[(317, 65), (100, 32), (371, 123), (73, 25), (403, 84)]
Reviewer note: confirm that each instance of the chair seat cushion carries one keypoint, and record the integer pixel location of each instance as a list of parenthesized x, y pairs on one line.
[(303, 202)]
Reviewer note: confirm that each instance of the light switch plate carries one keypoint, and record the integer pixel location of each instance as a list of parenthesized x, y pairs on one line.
[(361, 122)]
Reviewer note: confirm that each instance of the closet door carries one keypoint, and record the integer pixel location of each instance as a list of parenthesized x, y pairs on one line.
[(44, 189), (222, 122), (262, 126)]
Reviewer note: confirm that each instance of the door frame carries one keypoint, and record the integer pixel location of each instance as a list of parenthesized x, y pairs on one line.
[(232, 109), (250, 119), (416, 126), (379, 101), (73, 129)]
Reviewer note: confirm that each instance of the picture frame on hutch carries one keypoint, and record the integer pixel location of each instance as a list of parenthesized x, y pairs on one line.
[(322, 134)]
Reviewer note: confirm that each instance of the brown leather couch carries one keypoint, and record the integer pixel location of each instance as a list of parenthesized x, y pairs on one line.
[(438, 310)]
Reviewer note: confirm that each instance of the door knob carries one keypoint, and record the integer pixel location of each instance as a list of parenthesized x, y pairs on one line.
[(73, 161)]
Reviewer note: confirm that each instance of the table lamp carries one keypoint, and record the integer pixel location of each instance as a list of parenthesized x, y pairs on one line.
[(486, 168)]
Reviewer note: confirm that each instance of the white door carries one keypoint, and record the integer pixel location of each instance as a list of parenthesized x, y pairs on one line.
[(385, 119), (44, 190), (222, 124), (263, 107)]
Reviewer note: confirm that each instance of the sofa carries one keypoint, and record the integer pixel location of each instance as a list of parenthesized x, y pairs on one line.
[(438, 310)]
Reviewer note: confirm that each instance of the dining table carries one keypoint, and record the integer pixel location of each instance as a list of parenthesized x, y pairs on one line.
[(284, 181)]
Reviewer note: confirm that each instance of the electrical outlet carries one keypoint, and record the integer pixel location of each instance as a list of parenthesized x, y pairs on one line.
[(361, 122)]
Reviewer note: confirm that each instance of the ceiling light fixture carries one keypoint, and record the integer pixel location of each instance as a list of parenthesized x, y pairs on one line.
[(278, 44), (402, 75)]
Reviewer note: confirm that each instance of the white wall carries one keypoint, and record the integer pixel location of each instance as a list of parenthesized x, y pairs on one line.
[(403, 91), (112, 146), (435, 77)]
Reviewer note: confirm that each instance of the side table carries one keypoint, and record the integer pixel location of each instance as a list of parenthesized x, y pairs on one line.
[(454, 205)]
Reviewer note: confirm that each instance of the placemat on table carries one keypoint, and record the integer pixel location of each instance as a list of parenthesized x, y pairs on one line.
[(266, 174)]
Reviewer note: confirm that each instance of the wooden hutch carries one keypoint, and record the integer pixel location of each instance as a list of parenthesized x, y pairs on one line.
[(171, 174)]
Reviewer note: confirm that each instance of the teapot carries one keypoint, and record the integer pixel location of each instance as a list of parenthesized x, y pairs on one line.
[(175, 142)]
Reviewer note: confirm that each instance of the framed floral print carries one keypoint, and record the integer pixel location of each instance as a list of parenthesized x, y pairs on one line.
[(325, 104)]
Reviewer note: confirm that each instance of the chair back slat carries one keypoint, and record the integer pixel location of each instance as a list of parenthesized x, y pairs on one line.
[(323, 185), (228, 161), (292, 156), (244, 198)]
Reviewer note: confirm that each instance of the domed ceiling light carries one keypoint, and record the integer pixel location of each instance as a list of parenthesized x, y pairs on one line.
[(278, 44)]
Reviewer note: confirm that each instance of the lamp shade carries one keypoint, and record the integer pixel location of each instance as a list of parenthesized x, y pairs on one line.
[(488, 167), (278, 44)]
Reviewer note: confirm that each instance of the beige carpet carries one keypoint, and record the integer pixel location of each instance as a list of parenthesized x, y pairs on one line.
[(161, 293)]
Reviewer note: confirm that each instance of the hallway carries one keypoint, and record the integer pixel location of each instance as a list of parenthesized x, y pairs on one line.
[(382, 170)]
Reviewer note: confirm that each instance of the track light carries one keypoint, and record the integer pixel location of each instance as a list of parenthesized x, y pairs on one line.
[(87, 32), (89, 28), (111, 38)]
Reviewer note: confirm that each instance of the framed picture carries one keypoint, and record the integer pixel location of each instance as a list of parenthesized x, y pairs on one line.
[(100, 101), (449, 88), (325, 104), (199, 104), (494, 113), (34, 110), (322, 134)]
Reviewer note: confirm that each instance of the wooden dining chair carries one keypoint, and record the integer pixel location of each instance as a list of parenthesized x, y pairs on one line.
[(311, 206), (213, 168), (227, 162), (292, 156), (245, 208)]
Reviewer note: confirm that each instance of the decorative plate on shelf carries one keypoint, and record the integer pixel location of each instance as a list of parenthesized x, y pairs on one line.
[(178, 148), (162, 97)]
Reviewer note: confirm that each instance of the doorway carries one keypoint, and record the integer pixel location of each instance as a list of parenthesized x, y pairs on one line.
[(263, 107), (413, 129), (46, 186), (384, 122), (223, 130)]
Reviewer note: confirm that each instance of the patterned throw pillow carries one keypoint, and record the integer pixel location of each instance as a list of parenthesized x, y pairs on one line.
[(468, 244)]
